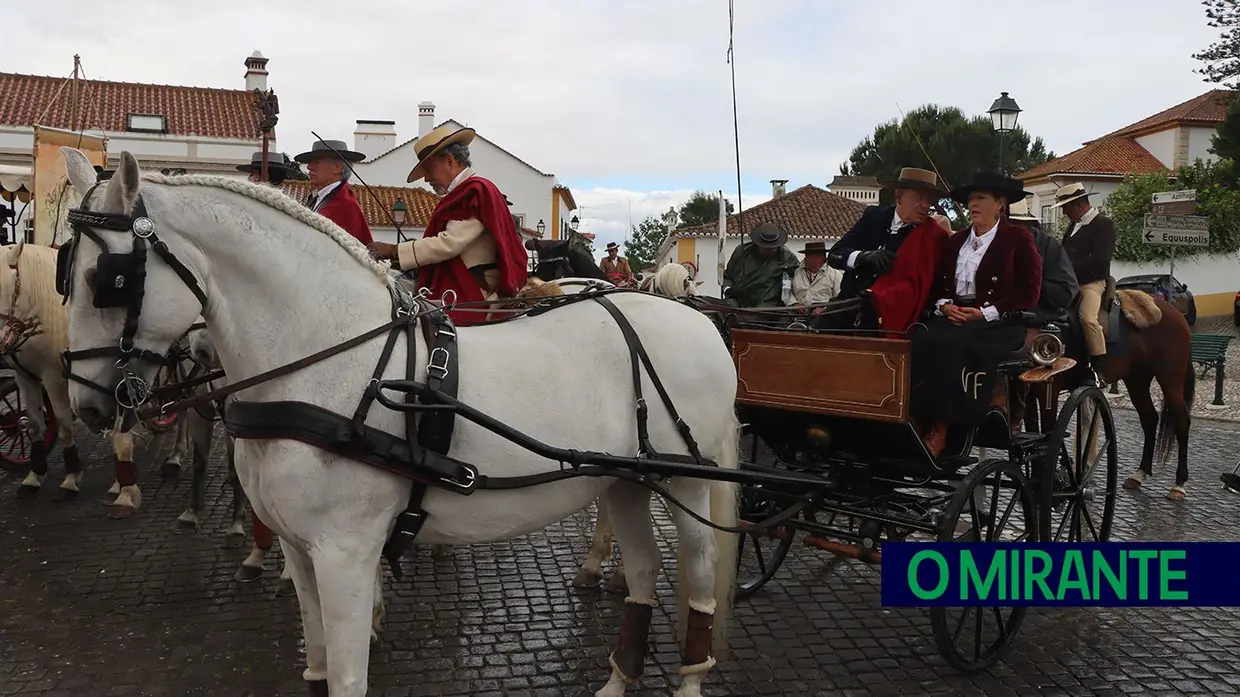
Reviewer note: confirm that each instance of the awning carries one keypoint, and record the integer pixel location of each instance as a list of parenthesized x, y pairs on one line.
[(16, 182)]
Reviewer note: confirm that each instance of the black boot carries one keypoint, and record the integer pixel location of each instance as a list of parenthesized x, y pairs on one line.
[(1095, 367)]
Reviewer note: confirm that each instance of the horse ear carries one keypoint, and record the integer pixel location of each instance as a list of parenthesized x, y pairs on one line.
[(123, 191), (81, 172)]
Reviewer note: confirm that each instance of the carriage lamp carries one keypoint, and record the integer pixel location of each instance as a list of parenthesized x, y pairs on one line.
[(574, 223), (399, 212), (541, 227)]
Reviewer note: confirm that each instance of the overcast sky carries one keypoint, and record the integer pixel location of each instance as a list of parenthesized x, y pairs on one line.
[(629, 103)]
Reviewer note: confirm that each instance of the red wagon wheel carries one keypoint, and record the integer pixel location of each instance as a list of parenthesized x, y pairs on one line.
[(14, 440)]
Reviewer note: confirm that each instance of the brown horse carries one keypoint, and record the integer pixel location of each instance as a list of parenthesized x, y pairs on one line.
[(1159, 348)]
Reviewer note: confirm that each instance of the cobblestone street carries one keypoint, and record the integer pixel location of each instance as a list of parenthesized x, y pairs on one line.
[(100, 607)]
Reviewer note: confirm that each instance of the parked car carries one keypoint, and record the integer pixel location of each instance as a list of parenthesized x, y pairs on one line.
[(1166, 287)]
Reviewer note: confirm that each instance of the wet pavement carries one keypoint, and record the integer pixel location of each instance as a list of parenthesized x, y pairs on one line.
[(100, 607)]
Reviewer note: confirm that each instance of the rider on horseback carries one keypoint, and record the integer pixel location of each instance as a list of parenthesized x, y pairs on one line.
[(1090, 242)]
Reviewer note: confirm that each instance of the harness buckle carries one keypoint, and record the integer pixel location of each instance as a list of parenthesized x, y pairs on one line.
[(435, 367), (448, 305), (444, 331), (143, 227), (467, 486)]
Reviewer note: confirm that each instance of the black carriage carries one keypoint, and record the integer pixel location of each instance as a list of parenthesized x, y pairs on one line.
[(835, 405)]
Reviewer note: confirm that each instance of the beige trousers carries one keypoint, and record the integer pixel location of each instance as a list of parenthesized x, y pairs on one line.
[(1091, 304)]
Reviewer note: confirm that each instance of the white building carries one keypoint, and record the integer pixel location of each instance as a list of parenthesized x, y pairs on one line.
[(862, 189), (1164, 142), (807, 214), (537, 197)]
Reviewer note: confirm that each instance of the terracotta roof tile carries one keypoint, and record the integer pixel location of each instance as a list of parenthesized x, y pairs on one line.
[(805, 213), (203, 111), (420, 201), (1107, 156), (1210, 107), (854, 180)]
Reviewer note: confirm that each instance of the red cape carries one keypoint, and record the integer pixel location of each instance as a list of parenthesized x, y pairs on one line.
[(900, 296), (343, 209), (476, 198)]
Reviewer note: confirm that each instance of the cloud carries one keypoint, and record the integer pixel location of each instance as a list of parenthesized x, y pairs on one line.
[(606, 212), (599, 92)]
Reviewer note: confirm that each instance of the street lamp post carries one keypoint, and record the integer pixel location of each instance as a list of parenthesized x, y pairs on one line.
[(1003, 115), (541, 227), (400, 211)]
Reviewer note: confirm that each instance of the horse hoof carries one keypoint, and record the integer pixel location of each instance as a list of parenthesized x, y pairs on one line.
[(587, 579), (617, 583), (1177, 493), (27, 492), (65, 495), (170, 470), (119, 512), (1132, 483), (233, 541), (246, 574), (186, 525), (285, 588)]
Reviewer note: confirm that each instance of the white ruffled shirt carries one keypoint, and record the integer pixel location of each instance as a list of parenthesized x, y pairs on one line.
[(967, 261)]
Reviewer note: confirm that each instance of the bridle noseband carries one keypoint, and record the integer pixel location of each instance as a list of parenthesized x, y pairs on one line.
[(120, 281)]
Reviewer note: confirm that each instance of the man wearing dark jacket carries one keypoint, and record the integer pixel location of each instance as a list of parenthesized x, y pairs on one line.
[(1089, 242), (1059, 287)]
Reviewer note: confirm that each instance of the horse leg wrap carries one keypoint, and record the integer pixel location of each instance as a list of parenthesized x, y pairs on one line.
[(38, 457), (318, 688), (126, 473), (73, 461), (630, 655), (262, 533), (697, 658)]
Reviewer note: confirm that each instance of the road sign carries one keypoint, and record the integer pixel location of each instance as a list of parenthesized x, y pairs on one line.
[(1177, 230), (1175, 202)]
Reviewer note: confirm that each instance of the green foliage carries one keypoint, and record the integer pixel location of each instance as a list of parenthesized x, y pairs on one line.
[(1222, 58), (581, 242), (642, 247), (701, 208), (1226, 142), (293, 169), (1218, 197), (960, 146)]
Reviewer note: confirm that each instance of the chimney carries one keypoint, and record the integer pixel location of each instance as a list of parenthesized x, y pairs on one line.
[(426, 118), (373, 138), (255, 72), (777, 187)]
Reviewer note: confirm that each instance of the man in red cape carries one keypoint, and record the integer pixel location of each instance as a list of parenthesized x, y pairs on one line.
[(471, 245), (332, 197)]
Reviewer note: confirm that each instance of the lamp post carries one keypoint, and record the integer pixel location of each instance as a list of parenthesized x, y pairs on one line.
[(1003, 115), (400, 212), (574, 223), (541, 227)]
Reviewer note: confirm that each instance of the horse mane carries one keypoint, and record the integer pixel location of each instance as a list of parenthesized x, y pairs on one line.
[(670, 281), (38, 297), (277, 199)]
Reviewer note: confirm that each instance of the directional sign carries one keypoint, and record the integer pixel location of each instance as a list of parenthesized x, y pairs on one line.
[(1177, 230), (1175, 202)]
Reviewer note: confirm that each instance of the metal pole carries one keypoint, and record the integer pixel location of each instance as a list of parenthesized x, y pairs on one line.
[(1001, 152), (263, 166), (1172, 270)]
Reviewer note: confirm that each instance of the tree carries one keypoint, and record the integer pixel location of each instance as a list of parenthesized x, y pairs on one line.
[(958, 145), (700, 209), (1222, 58), (581, 242), (642, 247), (293, 169), (1226, 141), (1217, 198)]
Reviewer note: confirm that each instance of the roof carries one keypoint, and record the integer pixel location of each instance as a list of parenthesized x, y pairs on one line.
[(855, 180), (477, 137), (567, 195), (1118, 152), (202, 111), (1110, 156), (420, 201), (805, 213)]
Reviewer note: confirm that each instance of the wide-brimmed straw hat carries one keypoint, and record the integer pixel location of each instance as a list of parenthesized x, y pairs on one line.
[(915, 178), (336, 149), (1020, 211), (434, 142), (1010, 189), (275, 160), (768, 236), (1069, 193)]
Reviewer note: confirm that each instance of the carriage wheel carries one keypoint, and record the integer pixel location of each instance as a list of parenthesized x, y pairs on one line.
[(761, 554), (14, 440), (1085, 470), (994, 503), (164, 423)]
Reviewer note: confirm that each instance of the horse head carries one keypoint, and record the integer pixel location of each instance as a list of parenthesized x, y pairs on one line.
[(551, 257), (674, 281)]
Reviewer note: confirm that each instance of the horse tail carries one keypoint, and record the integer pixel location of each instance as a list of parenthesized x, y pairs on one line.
[(1166, 426), (724, 512)]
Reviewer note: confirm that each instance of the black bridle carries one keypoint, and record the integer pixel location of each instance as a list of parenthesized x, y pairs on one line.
[(119, 282)]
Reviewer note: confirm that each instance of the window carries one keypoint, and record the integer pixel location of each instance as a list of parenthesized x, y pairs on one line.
[(519, 219), (1048, 215), (146, 123)]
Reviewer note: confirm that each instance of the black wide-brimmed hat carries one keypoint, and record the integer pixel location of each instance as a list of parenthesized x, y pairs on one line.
[(815, 248), (1012, 190), (275, 160), (611, 246), (768, 236), (335, 149)]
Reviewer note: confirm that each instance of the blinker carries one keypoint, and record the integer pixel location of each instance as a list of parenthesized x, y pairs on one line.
[(116, 275)]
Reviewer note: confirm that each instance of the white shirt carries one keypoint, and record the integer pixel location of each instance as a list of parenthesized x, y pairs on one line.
[(462, 176), (1085, 220), (967, 261), (321, 195), (896, 224), (816, 287)]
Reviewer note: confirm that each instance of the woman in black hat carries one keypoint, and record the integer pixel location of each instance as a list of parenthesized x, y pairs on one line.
[(987, 271), (276, 169)]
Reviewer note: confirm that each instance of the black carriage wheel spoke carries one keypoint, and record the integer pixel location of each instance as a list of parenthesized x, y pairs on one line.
[(993, 533), (1089, 520), (1064, 520), (757, 550), (999, 620), (1007, 513), (960, 625), (1093, 465), (977, 635)]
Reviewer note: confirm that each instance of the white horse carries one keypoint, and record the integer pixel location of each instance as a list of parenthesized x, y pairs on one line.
[(35, 331), (247, 249)]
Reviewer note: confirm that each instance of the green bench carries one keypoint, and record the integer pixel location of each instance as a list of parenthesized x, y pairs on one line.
[(1210, 351)]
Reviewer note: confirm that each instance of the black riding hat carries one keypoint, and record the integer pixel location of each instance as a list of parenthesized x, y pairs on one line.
[(1012, 190)]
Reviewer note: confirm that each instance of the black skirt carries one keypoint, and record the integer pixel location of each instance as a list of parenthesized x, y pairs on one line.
[(955, 368)]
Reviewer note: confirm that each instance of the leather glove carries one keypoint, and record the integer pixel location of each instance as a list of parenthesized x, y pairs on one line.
[(878, 261)]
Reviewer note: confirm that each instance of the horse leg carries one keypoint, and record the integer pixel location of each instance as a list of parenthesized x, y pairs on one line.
[(629, 507), (193, 428), (129, 498), (346, 579), (311, 619), (180, 446), (617, 583), (61, 408), (31, 393), (1175, 415), (234, 536), (1138, 387), (252, 567), (284, 587), (591, 572)]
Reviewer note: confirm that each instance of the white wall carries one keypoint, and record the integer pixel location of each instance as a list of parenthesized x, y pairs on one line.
[(1199, 142), (1161, 145), (705, 250), (865, 195), (1203, 274)]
